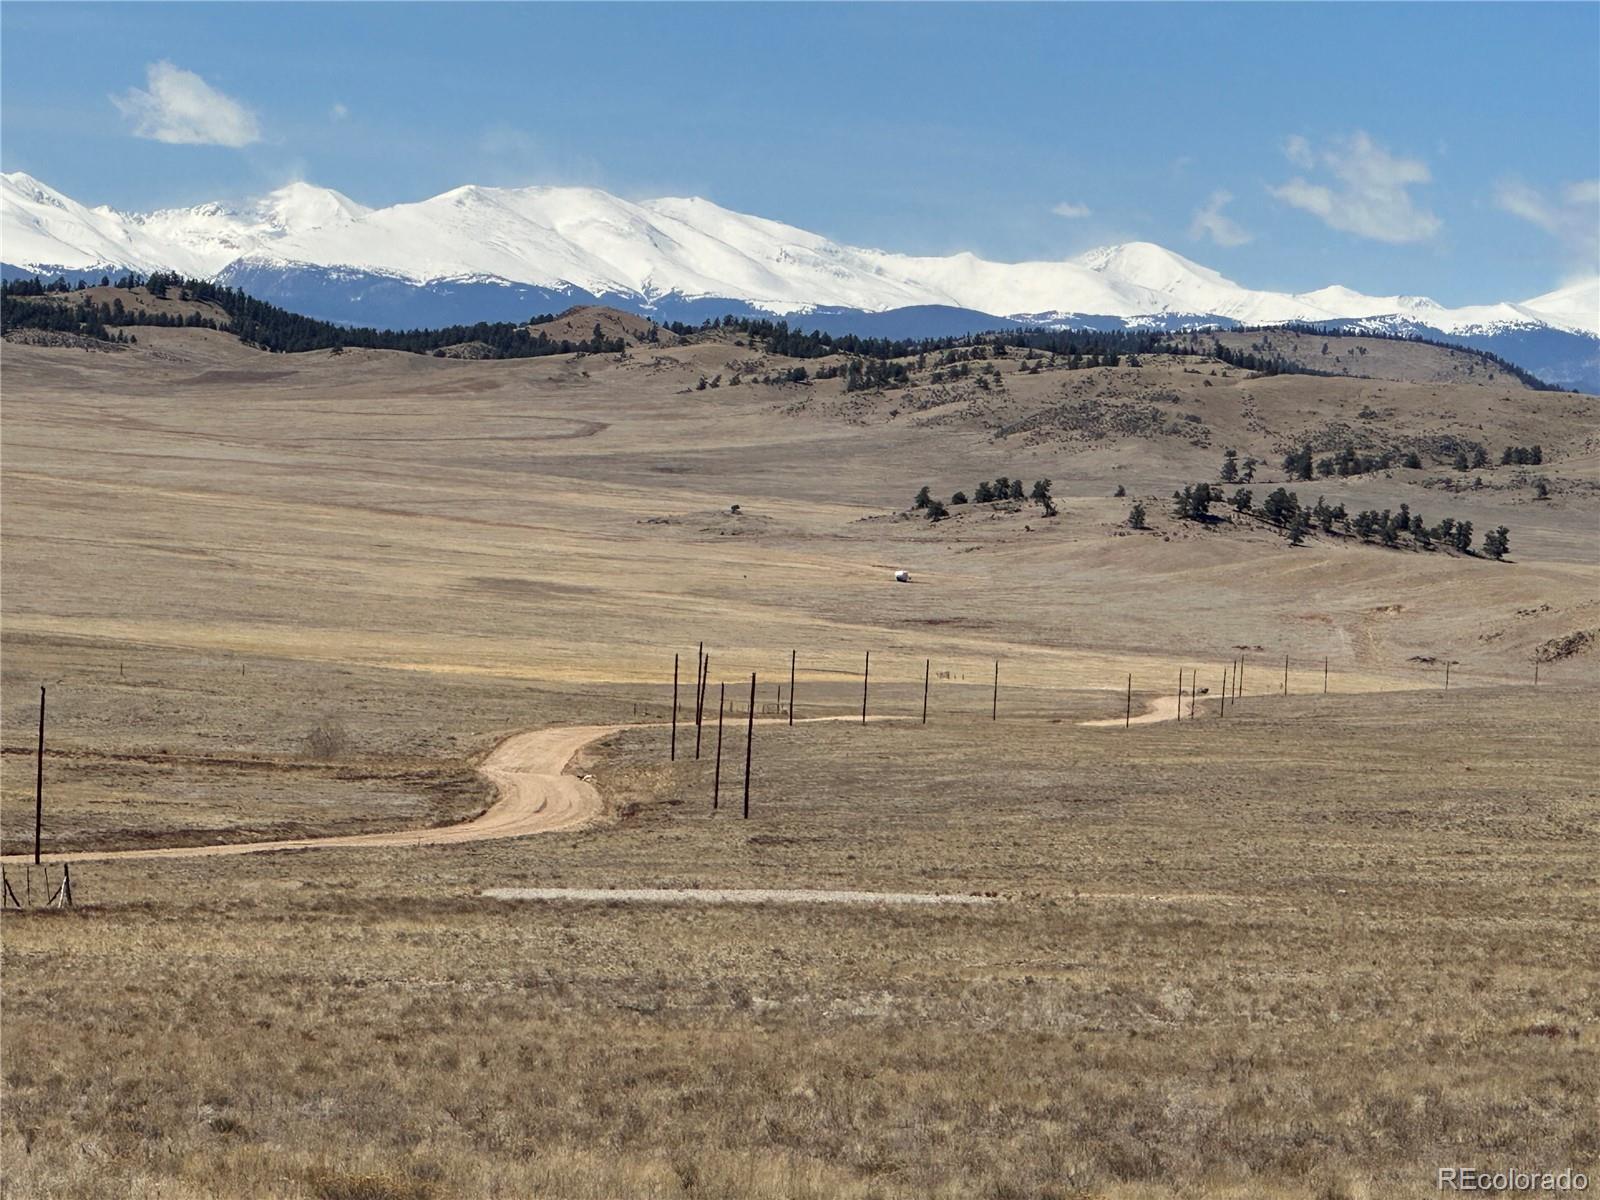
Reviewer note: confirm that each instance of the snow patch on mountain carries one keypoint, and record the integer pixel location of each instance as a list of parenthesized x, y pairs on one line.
[(683, 249)]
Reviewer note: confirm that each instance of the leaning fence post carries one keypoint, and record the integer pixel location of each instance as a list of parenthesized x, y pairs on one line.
[(994, 711), (700, 702)]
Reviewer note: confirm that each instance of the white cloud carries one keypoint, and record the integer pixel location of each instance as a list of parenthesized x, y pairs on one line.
[(1572, 216), (338, 112), (1071, 211), (181, 108), (1369, 194), (1298, 151), (1211, 222)]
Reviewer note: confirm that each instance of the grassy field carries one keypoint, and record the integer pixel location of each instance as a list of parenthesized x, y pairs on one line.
[(1313, 949), (1233, 958)]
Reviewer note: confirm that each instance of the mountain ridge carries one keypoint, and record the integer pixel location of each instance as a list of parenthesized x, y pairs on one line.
[(472, 251)]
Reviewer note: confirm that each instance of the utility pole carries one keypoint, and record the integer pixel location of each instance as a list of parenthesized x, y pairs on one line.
[(716, 774), (700, 701), (38, 784), (749, 742)]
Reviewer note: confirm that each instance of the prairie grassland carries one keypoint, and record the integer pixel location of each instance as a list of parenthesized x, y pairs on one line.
[(1314, 949)]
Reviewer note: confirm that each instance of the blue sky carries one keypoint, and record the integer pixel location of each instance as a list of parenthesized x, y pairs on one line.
[(1448, 150)]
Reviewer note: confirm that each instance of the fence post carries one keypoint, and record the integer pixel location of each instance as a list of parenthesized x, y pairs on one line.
[(716, 774), (866, 671), (700, 701), (38, 783), (1180, 693), (791, 689), (1285, 674), (994, 710), (673, 756), (749, 742), (927, 674), (1127, 717)]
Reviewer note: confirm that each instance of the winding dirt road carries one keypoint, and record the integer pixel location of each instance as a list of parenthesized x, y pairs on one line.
[(533, 795)]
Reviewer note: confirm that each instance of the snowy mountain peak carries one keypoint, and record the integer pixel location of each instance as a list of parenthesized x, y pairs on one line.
[(300, 206), (582, 239)]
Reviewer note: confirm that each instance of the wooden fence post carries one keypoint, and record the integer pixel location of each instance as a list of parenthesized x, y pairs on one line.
[(38, 784), (994, 709), (1127, 717), (673, 756), (927, 674), (866, 671), (1180, 693), (749, 743), (700, 701), (791, 689), (1285, 674), (716, 774)]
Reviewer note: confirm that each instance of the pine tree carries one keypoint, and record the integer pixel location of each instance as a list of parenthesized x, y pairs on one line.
[(1496, 544), (924, 498), (1136, 516)]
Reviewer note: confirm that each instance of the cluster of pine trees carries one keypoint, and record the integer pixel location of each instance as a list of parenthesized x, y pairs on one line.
[(1522, 456), (267, 326), (1284, 509), (1002, 489)]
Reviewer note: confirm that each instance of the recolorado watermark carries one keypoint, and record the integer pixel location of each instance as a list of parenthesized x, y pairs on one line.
[(1474, 1179)]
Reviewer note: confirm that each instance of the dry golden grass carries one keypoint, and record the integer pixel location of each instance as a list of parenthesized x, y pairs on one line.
[(1313, 950)]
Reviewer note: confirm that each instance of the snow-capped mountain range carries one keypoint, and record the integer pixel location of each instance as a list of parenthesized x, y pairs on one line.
[(490, 253)]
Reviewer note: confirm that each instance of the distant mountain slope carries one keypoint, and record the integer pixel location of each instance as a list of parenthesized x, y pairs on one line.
[(477, 253)]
